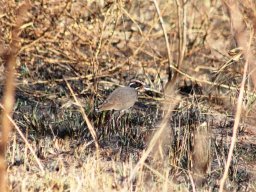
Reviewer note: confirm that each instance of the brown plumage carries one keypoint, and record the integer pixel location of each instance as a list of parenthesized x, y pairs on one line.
[(121, 98)]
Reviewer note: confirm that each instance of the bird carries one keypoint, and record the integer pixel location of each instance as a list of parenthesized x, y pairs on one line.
[(122, 98)]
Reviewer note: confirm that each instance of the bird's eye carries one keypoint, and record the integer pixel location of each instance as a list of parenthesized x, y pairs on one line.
[(135, 85)]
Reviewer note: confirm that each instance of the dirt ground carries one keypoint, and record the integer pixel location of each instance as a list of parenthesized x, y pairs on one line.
[(97, 46)]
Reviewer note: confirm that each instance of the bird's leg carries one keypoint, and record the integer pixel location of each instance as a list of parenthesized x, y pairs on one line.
[(107, 123), (120, 114)]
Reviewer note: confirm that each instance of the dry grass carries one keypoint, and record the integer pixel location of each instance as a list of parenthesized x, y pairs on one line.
[(72, 54)]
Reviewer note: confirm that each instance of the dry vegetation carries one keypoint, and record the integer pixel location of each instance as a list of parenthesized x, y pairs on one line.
[(193, 130)]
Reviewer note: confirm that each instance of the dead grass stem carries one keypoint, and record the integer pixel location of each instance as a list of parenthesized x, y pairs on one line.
[(241, 35), (166, 41), (25, 141), (90, 127)]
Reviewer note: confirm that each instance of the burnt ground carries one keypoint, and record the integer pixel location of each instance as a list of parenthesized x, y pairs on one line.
[(98, 47)]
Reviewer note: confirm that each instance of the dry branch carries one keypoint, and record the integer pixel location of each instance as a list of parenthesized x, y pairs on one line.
[(244, 39), (10, 57)]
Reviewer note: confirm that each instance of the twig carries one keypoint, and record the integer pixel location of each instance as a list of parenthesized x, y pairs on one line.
[(192, 182), (182, 30), (163, 125), (90, 127), (237, 119), (9, 90), (165, 37), (25, 140)]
